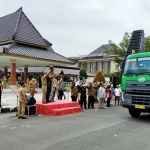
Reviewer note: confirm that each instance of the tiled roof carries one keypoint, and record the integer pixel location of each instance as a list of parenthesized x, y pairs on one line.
[(25, 50), (7, 26), (17, 26), (101, 49), (99, 53)]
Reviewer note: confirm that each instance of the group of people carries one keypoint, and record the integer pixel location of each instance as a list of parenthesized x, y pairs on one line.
[(94, 91), (52, 88), (79, 92)]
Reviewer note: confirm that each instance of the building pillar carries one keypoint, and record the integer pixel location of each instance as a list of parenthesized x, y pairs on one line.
[(51, 67), (102, 66), (25, 74), (96, 67), (109, 66), (13, 73), (90, 67)]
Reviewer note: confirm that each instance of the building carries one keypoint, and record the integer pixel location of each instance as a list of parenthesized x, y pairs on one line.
[(69, 70), (21, 45), (98, 60)]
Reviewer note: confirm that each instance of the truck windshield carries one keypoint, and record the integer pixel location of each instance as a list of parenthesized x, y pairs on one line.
[(137, 66)]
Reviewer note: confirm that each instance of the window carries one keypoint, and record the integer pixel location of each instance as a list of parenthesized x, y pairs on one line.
[(137, 65), (99, 66), (88, 67), (93, 66), (85, 66), (105, 67)]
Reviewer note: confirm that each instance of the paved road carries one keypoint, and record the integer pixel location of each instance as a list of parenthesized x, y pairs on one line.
[(109, 129)]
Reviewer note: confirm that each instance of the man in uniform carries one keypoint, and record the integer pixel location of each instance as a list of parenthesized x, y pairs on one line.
[(44, 86), (28, 90), (35, 85), (22, 101), (1, 89), (32, 87)]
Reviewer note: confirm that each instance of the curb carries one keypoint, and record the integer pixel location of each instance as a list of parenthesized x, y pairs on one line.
[(7, 110)]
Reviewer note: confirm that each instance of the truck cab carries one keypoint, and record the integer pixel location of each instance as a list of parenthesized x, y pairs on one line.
[(136, 84)]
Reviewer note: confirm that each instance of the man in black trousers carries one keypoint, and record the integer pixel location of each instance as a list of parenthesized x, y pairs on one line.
[(82, 92), (49, 82)]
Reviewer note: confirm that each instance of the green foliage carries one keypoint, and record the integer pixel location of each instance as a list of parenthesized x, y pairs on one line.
[(83, 74), (62, 73), (107, 74), (1, 75), (31, 76), (113, 74), (119, 52), (66, 78), (99, 77), (147, 44)]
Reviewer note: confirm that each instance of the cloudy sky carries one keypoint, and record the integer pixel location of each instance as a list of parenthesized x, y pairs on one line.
[(77, 27)]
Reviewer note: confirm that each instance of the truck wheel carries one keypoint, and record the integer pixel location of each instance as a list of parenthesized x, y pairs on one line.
[(134, 112)]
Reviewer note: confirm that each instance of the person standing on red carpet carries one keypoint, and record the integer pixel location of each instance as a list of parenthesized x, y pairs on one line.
[(44, 86), (53, 86), (61, 88)]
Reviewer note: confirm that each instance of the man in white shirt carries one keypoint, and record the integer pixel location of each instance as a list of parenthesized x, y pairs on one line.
[(117, 94)]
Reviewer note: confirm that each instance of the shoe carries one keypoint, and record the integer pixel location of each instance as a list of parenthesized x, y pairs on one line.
[(85, 108), (103, 107), (99, 107), (44, 102), (24, 117), (19, 117)]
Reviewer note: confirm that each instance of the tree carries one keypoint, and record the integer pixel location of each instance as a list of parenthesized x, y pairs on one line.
[(66, 78), (83, 74), (99, 77), (119, 52), (147, 44)]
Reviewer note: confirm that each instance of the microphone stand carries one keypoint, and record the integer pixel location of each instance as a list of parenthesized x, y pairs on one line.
[(17, 103)]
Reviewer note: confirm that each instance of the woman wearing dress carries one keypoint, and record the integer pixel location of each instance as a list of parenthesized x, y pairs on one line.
[(53, 86)]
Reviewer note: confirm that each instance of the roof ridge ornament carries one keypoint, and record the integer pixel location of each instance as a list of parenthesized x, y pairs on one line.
[(15, 32), (19, 9)]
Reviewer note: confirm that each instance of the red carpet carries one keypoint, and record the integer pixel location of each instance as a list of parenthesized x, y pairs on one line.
[(58, 108)]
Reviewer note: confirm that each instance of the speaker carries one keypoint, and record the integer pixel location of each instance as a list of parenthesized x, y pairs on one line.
[(32, 110), (30, 100)]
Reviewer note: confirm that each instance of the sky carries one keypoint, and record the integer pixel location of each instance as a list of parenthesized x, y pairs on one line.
[(78, 27)]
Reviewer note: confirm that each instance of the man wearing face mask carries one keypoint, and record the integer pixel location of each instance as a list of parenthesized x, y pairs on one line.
[(22, 101), (32, 87)]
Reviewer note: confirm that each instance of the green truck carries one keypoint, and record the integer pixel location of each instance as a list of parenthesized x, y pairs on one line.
[(136, 84)]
